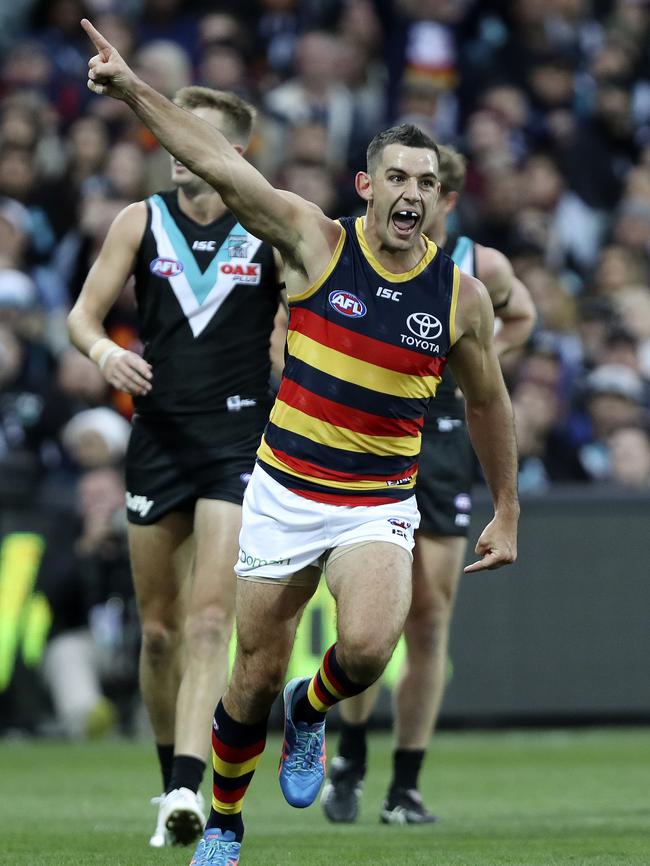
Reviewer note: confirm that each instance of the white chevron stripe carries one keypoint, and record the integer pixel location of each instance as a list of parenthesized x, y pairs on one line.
[(198, 315)]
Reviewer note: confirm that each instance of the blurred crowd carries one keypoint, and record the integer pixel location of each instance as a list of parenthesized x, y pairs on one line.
[(548, 99)]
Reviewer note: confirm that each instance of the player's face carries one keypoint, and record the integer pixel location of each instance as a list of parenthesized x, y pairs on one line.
[(182, 176), (405, 191)]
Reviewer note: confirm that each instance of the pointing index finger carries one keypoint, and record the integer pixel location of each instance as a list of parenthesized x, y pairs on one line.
[(100, 43)]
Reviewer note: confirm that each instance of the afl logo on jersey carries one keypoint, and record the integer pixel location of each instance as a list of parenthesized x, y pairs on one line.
[(166, 267), (347, 304)]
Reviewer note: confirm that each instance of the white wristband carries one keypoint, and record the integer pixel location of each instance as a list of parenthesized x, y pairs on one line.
[(106, 354)]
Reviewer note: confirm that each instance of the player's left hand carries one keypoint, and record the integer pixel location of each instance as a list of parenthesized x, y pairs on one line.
[(497, 545), (108, 73)]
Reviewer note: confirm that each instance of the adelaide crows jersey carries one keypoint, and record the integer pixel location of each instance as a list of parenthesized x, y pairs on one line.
[(366, 350), (447, 404), (207, 296)]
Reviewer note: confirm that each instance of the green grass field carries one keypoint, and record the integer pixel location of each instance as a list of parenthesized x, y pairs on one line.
[(541, 798)]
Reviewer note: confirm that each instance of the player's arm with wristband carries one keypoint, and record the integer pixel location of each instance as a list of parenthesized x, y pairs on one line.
[(490, 422), (122, 369)]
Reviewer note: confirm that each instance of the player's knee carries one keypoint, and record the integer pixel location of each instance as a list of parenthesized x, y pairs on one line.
[(364, 656), (208, 629), (428, 622), (159, 642)]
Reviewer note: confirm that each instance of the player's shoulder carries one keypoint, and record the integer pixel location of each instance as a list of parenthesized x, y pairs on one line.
[(473, 303), (129, 224), (491, 264)]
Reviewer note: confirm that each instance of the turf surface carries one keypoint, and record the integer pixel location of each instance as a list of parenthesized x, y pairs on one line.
[(526, 799)]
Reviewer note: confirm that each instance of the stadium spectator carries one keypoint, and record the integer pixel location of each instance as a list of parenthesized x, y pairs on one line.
[(629, 457)]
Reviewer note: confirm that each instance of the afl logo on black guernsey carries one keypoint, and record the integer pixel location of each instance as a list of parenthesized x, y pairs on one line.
[(347, 304), (162, 267)]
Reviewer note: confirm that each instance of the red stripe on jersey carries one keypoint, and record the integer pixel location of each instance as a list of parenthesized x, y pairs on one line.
[(344, 416), (364, 348), (311, 470), (235, 754), (341, 498)]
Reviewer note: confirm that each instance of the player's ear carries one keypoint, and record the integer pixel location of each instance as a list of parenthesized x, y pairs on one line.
[(449, 202), (363, 185), (239, 148)]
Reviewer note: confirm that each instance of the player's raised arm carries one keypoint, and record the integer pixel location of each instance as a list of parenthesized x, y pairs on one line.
[(284, 221), (475, 366)]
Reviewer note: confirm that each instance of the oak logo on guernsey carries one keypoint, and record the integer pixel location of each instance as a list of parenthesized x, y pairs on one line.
[(243, 272), (166, 267), (347, 304)]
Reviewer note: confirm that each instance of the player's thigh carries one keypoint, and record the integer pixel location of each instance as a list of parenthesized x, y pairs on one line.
[(437, 564), (372, 586), (216, 539), (268, 612), (161, 556)]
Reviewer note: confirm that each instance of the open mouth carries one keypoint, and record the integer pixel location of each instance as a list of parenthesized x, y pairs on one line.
[(405, 222)]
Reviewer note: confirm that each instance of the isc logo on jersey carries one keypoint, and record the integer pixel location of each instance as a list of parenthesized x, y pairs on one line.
[(242, 272), (347, 304), (166, 267)]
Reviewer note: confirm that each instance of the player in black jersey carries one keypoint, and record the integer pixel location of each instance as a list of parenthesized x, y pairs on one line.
[(443, 493), (365, 356), (207, 294)]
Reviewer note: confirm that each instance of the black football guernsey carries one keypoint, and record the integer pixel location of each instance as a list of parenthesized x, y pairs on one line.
[(366, 350), (447, 403), (207, 296)]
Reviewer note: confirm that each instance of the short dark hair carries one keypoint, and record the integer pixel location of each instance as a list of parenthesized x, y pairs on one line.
[(239, 115), (406, 134)]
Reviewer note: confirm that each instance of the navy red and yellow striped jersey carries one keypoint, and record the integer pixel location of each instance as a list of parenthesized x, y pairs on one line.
[(366, 350)]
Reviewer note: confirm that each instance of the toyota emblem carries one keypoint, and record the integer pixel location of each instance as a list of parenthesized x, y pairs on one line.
[(424, 325)]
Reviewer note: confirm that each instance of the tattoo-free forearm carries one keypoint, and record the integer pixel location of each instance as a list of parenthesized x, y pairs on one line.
[(492, 431)]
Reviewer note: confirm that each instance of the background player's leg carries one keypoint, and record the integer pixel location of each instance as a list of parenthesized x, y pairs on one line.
[(208, 625), (161, 557), (437, 563), (160, 562), (418, 695), (344, 784)]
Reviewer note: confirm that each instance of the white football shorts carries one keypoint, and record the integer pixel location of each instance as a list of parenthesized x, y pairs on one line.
[(282, 533)]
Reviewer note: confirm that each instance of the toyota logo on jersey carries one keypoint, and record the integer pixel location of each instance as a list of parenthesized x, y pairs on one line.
[(166, 267), (424, 325), (347, 304)]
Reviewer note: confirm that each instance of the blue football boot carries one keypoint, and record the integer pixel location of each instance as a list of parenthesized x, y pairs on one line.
[(217, 849), (302, 763)]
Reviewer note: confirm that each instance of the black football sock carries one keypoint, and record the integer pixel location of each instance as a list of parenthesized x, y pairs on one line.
[(187, 772), (165, 759), (407, 764)]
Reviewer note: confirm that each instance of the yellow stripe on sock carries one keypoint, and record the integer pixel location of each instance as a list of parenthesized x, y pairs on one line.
[(328, 685), (314, 700), (231, 771), (227, 808)]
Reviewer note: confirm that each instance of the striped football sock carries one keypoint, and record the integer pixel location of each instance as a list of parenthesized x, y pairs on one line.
[(236, 750), (330, 685)]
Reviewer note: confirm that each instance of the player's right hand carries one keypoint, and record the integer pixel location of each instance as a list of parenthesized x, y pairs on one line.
[(128, 372), (108, 73)]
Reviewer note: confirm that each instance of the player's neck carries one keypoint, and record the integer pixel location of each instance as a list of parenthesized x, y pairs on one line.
[(203, 207)]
